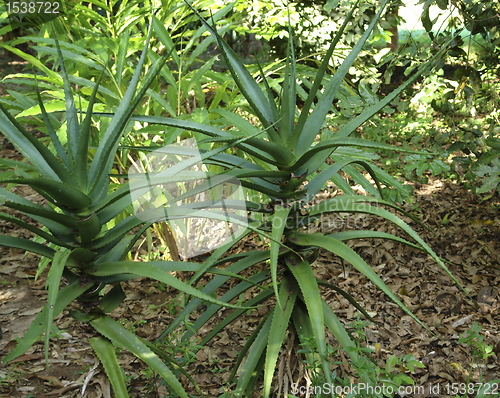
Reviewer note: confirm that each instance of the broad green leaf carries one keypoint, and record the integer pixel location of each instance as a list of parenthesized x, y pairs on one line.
[(279, 222), (28, 245), (303, 326), (360, 179), (160, 100), (270, 96), (81, 157), (121, 56), (106, 353), (120, 250), (304, 275), (343, 251), (244, 126), (331, 4), (50, 106), (219, 92), (91, 85), (53, 282), (35, 230), (315, 120), (489, 183), (388, 179), (32, 149), (12, 164), (345, 203), (426, 21), (92, 15), (112, 299), (337, 141), (73, 128), (151, 270), (165, 38), (24, 101), (84, 60), (117, 334), (116, 233), (279, 326), (288, 93), (50, 43), (5, 29), (114, 209), (317, 182), (53, 135), (103, 159), (35, 211), (122, 191), (62, 195), (35, 62), (89, 228), (254, 355), (348, 235), (58, 224)]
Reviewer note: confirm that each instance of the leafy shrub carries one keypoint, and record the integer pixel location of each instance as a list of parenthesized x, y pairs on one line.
[(482, 159)]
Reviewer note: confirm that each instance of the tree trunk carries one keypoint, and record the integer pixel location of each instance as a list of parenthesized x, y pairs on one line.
[(393, 20)]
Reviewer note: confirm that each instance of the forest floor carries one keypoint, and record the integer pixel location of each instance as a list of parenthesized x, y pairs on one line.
[(462, 229), (468, 239)]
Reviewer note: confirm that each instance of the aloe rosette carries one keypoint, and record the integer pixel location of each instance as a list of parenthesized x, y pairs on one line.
[(281, 162)]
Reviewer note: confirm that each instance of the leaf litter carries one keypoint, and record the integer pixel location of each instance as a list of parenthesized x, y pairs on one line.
[(468, 239)]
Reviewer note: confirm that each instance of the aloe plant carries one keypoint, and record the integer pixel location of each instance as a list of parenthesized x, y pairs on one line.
[(283, 173), (83, 225), (118, 35)]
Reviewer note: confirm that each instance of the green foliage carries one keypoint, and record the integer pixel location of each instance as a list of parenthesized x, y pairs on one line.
[(393, 375), (471, 64), (88, 239), (283, 174), (283, 159), (313, 23), (463, 149), (475, 341), (480, 352), (489, 165), (388, 378), (480, 158), (117, 33)]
